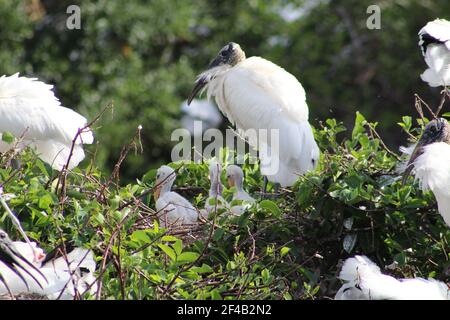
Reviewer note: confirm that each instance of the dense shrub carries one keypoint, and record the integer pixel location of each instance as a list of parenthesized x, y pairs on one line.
[(285, 248)]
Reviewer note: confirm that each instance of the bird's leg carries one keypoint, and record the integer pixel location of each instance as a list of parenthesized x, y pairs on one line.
[(266, 181), (276, 188)]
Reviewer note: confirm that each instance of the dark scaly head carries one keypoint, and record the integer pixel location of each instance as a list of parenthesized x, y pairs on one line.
[(437, 130), (228, 56)]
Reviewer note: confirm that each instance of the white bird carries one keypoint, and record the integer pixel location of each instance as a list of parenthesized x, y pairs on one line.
[(56, 279), (434, 41), (430, 163), (215, 201), (363, 280), (235, 177), (200, 110), (29, 109), (172, 208), (254, 93), (12, 261)]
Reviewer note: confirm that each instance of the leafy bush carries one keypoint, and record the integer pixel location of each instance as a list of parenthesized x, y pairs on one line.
[(286, 248)]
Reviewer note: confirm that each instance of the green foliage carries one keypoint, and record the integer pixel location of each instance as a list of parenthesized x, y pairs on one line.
[(286, 248)]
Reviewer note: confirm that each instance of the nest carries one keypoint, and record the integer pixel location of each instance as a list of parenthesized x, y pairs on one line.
[(23, 296)]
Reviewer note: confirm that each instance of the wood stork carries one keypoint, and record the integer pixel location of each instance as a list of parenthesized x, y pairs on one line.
[(172, 208), (235, 177), (430, 163), (434, 40), (215, 201), (29, 109), (364, 281), (12, 262), (254, 93), (60, 278)]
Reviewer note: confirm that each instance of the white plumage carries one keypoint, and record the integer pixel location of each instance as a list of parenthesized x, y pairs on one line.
[(172, 208), (363, 280), (434, 40), (57, 278), (235, 177), (29, 109), (215, 201), (430, 163), (255, 93), (432, 169)]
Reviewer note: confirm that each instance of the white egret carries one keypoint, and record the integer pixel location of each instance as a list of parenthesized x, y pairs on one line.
[(434, 40), (254, 93), (172, 208), (200, 110), (430, 163), (59, 278), (364, 281), (235, 177), (215, 201), (30, 110)]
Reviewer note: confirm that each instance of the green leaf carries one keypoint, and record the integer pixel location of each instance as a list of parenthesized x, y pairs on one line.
[(169, 251), (140, 236), (187, 257), (178, 246), (284, 251), (271, 206), (7, 137), (215, 295)]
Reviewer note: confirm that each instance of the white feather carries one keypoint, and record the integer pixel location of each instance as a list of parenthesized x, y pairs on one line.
[(215, 201), (258, 94), (432, 169), (29, 109), (437, 55), (61, 280), (172, 208), (363, 280), (236, 175)]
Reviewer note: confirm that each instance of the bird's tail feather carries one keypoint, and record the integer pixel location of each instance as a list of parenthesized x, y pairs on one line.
[(57, 153)]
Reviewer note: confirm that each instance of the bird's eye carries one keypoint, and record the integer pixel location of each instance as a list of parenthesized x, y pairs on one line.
[(2, 235), (223, 53)]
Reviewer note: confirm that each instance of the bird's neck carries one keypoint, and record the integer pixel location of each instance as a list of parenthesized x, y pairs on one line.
[(166, 187), (216, 187)]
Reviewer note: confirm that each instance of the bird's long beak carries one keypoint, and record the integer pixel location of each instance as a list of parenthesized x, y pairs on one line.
[(157, 193), (409, 167), (197, 88)]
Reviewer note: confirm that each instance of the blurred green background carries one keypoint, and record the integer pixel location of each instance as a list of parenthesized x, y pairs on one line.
[(143, 56)]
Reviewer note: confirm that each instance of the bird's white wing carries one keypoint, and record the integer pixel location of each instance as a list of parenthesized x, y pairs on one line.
[(175, 209), (257, 94), (30, 107), (364, 281), (51, 286), (432, 169), (37, 122), (264, 84)]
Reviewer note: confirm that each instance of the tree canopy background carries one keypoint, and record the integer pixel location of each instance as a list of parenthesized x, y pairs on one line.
[(143, 56)]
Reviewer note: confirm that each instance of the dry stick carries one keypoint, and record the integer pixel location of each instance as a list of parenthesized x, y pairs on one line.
[(372, 129), (123, 155), (444, 93), (190, 265), (419, 102), (63, 173), (16, 222)]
